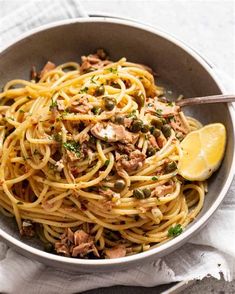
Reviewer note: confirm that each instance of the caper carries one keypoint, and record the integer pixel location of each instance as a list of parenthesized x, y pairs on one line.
[(48, 247), (101, 54), (136, 125), (147, 192), (163, 121), (115, 85), (109, 103), (139, 99), (111, 235), (100, 90), (119, 185), (92, 140), (166, 129), (151, 129), (145, 129), (156, 133), (150, 151), (138, 194), (171, 166), (119, 119), (157, 123)]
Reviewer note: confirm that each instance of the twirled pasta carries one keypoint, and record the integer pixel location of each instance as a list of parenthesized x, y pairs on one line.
[(91, 152)]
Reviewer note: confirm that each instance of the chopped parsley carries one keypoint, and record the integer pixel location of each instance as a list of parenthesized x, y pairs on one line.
[(104, 188), (107, 162), (170, 103), (92, 79), (64, 113), (92, 140), (175, 231), (96, 110), (21, 111), (132, 114), (83, 90), (51, 166), (112, 70), (154, 178), (36, 152), (53, 104), (72, 146)]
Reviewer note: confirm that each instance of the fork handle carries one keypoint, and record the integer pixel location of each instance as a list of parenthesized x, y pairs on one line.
[(205, 100)]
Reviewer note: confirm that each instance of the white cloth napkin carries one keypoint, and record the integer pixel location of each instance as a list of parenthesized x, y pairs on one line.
[(211, 252)]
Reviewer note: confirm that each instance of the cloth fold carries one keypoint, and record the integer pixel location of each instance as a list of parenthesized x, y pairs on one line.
[(211, 251), (31, 14)]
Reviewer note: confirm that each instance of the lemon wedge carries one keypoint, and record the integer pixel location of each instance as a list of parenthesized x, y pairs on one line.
[(202, 152)]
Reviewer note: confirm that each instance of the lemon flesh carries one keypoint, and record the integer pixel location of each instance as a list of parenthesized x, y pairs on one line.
[(202, 152)]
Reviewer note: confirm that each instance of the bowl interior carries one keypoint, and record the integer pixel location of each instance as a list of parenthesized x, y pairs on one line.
[(176, 69)]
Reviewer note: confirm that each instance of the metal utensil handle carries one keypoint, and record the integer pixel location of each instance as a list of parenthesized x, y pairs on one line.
[(206, 100)]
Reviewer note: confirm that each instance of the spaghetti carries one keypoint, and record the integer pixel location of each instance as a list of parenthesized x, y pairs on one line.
[(89, 159)]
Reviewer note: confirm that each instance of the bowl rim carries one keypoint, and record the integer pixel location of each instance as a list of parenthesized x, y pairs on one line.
[(198, 224)]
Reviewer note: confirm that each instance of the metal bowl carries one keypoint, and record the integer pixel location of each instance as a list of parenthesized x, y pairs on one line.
[(180, 68)]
